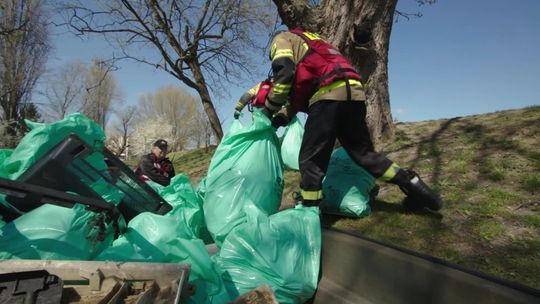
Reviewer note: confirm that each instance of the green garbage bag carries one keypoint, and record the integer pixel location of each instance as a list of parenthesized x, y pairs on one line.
[(5, 153), (291, 143), (235, 127), (245, 170), (281, 250), (346, 187), (52, 232), (201, 189), (167, 239), (43, 137), (188, 212)]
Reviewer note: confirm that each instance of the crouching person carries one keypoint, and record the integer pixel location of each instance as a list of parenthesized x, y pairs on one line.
[(156, 166)]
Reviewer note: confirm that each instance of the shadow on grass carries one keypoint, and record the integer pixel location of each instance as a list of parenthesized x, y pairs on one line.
[(493, 141), (380, 206)]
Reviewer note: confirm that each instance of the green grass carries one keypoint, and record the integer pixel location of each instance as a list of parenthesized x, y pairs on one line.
[(489, 229), (532, 221), (194, 163), (453, 256), (487, 175), (483, 178), (535, 159), (493, 170), (401, 136), (531, 182)]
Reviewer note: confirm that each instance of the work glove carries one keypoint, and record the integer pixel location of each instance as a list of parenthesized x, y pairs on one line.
[(236, 114), (279, 120)]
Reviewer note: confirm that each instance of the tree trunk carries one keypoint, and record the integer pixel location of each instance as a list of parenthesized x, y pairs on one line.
[(206, 100), (360, 29)]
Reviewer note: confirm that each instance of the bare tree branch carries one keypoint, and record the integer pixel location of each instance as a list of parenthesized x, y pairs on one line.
[(24, 47), (196, 41)]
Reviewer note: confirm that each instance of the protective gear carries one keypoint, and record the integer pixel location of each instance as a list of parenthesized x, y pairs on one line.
[(307, 203), (419, 195), (299, 200), (279, 120), (236, 114), (330, 120), (255, 96), (324, 63), (262, 93)]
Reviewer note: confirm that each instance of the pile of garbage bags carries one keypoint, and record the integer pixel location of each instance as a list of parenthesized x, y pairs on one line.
[(237, 203)]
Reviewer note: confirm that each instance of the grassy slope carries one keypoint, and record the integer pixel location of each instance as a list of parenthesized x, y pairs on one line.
[(486, 168)]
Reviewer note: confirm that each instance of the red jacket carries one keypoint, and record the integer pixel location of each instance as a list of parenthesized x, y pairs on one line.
[(260, 98), (321, 66)]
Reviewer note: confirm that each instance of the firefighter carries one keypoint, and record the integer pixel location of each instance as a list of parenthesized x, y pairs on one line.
[(316, 79), (155, 165), (254, 97)]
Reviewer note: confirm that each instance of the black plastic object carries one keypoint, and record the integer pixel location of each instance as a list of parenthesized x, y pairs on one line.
[(30, 287), (42, 195), (66, 168)]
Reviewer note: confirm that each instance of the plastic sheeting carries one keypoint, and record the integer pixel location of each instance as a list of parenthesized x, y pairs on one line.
[(291, 143), (52, 232), (171, 238), (282, 250), (245, 170), (5, 153), (346, 187), (241, 192), (55, 233), (43, 137)]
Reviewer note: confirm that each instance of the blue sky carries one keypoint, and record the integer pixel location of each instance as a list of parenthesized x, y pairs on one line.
[(465, 57), (460, 58)]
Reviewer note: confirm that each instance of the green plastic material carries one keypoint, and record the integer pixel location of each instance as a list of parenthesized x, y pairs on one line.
[(245, 170), (43, 137), (235, 127), (346, 187), (201, 189), (187, 205), (291, 143), (282, 250), (4, 153), (241, 193), (55, 233), (171, 238)]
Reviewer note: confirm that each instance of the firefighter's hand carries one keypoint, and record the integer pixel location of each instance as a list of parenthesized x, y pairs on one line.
[(279, 120), (236, 114)]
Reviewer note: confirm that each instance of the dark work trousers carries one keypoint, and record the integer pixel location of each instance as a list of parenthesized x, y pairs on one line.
[(346, 121)]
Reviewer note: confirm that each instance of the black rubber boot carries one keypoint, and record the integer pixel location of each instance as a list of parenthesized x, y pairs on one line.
[(419, 195), (299, 200), (307, 203)]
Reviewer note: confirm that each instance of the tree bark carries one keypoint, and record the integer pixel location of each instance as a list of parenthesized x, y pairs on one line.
[(360, 29), (206, 100)]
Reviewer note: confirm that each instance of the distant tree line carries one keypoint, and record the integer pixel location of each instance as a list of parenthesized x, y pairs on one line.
[(169, 113)]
